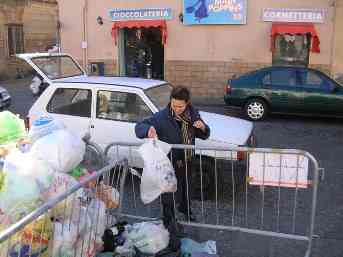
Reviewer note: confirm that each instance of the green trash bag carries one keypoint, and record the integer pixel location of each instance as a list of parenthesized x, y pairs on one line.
[(11, 127)]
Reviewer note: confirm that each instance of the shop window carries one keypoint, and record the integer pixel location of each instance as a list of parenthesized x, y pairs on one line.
[(69, 101), (292, 50), (15, 37), (121, 106)]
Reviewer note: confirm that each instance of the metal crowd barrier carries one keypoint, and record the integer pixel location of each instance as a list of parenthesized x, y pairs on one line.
[(70, 219), (237, 195)]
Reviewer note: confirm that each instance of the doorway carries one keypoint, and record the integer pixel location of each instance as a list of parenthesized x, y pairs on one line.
[(142, 53)]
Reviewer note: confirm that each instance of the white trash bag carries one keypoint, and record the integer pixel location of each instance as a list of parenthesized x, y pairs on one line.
[(158, 173), (61, 149), (44, 126), (149, 237)]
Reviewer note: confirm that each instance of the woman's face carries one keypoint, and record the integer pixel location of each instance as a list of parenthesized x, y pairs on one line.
[(178, 106)]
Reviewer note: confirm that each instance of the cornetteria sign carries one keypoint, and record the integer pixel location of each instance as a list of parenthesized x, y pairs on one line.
[(294, 15), (140, 14)]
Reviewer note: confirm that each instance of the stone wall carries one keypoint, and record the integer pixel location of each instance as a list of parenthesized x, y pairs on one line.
[(39, 19), (206, 79)]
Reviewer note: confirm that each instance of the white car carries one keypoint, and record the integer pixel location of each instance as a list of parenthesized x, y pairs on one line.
[(108, 107)]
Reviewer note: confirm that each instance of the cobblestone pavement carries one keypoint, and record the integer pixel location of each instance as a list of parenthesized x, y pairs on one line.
[(321, 137)]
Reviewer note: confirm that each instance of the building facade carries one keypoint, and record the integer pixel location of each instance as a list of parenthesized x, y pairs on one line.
[(201, 43), (25, 26)]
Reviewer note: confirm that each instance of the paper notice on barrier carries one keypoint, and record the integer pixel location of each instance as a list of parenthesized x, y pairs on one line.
[(273, 169)]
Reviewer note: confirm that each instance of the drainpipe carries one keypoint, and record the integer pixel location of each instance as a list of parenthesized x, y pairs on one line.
[(85, 35), (333, 36)]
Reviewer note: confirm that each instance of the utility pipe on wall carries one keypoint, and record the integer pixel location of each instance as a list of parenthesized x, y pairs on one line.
[(333, 37), (85, 35)]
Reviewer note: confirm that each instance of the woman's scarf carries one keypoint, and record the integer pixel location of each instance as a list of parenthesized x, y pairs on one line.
[(186, 130)]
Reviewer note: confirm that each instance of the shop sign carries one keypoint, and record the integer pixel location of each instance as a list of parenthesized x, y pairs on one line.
[(140, 14), (294, 15), (214, 12)]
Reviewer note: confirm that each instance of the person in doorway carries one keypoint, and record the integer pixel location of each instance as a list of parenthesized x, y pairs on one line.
[(178, 123)]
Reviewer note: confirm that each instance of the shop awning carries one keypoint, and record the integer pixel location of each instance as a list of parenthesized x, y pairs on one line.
[(293, 29), (140, 24)]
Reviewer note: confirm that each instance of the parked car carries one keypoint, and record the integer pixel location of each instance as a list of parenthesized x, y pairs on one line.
[(294, 90), (108, 108), (5, 98)]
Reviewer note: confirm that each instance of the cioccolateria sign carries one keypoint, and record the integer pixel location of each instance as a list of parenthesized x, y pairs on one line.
[(140, 14)]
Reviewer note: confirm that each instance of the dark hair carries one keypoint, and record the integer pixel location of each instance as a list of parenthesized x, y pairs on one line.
[(180, 93)]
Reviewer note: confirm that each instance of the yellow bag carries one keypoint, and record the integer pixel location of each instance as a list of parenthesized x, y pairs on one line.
[(33, 240)]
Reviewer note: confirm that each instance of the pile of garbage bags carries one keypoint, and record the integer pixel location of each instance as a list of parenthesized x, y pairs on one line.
[(35, 167), (38, 165), (150, 239)]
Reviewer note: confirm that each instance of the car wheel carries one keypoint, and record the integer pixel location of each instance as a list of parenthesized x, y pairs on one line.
[(256, 109)]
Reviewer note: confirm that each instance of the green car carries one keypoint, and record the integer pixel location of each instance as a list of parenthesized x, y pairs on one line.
[(294, 90)]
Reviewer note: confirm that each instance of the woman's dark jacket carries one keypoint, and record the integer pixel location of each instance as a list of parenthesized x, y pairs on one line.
[(169, 131)]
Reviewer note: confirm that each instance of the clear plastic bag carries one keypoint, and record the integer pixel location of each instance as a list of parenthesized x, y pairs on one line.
[(149, 237), (25, 180)]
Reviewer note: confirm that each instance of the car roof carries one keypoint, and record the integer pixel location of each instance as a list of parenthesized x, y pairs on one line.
[(113, 81)]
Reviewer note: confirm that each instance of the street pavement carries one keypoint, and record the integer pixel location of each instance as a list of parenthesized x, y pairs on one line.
[(322, 137)]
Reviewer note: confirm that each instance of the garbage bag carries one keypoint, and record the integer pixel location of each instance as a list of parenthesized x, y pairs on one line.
[(33, 240), (69, 233), (43, 126), (69, 207), (158, 173), (61, 149), (109, 195), (149, 237), (11, 127), (97, 213), (194, 249), (25, 179), (65, 237)]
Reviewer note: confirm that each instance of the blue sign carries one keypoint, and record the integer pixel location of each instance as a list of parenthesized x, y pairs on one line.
[(214, 12), (140, 14)]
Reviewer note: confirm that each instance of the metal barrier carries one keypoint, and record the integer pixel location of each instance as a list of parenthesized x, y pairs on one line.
[(226, 195), (72, 219), (238, 195)]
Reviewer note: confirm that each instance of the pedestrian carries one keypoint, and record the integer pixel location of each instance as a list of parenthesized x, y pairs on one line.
[(178, 123)]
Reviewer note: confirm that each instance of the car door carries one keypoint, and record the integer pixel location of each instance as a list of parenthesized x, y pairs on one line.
[(320, 96), (281, 88), (71, 106), (116, 115)]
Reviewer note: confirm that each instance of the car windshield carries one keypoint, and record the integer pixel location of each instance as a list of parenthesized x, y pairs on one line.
[(159, 95), (56, 67)]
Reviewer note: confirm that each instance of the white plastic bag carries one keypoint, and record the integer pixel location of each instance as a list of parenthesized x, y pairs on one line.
[(61, 149), (44, 126), (68, 208), (71, 236), (149, 237), (97, 213), (65, 237), (158, 173)]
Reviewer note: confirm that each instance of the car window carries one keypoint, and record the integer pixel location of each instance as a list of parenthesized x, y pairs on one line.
[(283, 78), (121, 106), (266, 79), (310, 79), (70, 101)]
